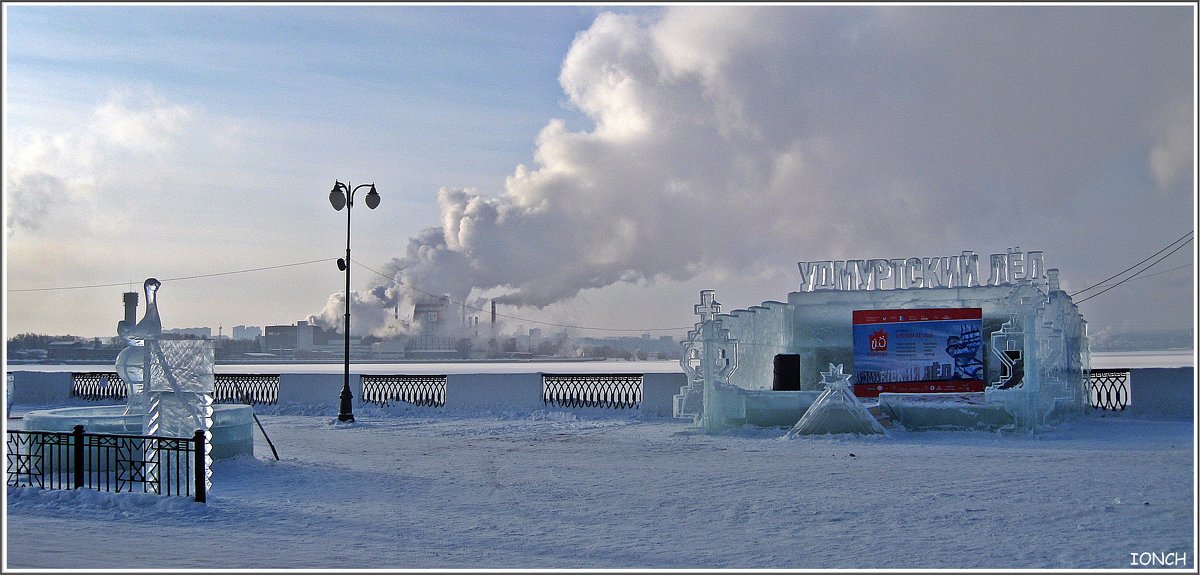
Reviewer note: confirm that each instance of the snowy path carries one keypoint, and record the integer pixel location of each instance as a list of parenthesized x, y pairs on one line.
[(425, 490)]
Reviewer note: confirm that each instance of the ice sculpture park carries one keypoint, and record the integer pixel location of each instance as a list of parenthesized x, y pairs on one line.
[(498, 477), (926, 343)]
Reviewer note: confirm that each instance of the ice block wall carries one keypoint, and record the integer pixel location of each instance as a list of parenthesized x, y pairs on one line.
[(762, 331), (1048, 382)]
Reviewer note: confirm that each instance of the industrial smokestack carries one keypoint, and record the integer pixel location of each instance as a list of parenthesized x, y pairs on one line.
[(493, 315), (131, 303)]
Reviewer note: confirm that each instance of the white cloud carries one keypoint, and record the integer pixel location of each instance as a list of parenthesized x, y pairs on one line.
[(1173, 157), (726, 137), (87, 179), (140, 122)]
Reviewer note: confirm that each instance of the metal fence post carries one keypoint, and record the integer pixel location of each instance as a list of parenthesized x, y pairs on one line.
[(198, 441), (77, 456)]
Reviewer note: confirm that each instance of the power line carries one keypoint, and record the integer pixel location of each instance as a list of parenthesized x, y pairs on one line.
[(409, 286), (178, 278), (1135, 276), (1166, 271), (1184, 239), (1168, 246), (551, 324), (69, 287), (250, 270)]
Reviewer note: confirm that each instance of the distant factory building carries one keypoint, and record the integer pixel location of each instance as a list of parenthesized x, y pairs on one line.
[(242, 332), (436, 335), (190, 332), (302, 336), (429, 316), (131, 303)]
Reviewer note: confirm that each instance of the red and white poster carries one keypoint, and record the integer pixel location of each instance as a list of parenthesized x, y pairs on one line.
[(918, 351)]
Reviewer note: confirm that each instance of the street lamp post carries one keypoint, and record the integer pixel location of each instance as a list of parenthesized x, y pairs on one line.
[(342, 196)]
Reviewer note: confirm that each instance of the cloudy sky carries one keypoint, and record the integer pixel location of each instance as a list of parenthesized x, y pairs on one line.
[(584, 165)]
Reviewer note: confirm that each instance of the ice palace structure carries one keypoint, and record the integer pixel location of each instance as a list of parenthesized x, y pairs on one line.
[(926, 343)]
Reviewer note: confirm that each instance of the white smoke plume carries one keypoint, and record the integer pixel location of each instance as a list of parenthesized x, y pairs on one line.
[(726, 137)]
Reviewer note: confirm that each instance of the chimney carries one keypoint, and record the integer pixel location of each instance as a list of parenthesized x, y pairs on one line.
[(493, 314), (131, 303)]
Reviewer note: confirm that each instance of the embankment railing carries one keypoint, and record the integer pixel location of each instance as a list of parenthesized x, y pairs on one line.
[(107, 462), (526, 390), (607, 390), (1109, 389), (97, 385), (422, 390), (247, 388)]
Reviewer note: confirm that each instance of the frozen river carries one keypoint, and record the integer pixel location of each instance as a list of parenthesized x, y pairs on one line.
[(414, 368), (1100, 360)]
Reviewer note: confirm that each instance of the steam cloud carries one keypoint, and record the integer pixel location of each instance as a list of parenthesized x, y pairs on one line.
[(72, 175), (723, 138)]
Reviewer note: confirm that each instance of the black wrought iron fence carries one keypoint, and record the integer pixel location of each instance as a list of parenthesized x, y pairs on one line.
[(1109, 389), (247, 388), (107, 462), (97, 385), (422, 390), (611, 390)]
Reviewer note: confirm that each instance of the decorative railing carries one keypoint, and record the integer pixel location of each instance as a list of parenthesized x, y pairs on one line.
[(615, 390), (422, 390), (107, 462), (97, 385), (1109, 389), (247, 388)]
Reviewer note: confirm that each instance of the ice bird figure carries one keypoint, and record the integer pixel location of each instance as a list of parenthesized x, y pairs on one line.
[(151, 326)]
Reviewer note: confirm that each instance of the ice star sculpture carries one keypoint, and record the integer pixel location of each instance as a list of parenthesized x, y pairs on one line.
[(836, 410), (835, 376)]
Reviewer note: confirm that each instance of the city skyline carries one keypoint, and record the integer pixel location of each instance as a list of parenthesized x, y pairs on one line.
[(583, 165)]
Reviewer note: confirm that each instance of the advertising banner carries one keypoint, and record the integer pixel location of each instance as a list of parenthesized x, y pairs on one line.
[(918, 351)]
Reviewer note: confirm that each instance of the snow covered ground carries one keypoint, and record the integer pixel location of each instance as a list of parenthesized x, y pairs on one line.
[(422, 488)]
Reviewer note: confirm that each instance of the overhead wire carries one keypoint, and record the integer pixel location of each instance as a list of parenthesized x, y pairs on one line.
[(1166, 271), (1158, 273), (1135, 276), (164, 280), (1184, 238), (249, 270), (405, 284), (1181, 241), (1176, 245)]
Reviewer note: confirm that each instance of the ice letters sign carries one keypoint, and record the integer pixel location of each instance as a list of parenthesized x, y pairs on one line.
[(909, 273), (918, 351)]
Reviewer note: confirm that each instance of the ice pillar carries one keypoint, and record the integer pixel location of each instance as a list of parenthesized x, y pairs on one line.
[(709, 358), (179, 388)]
